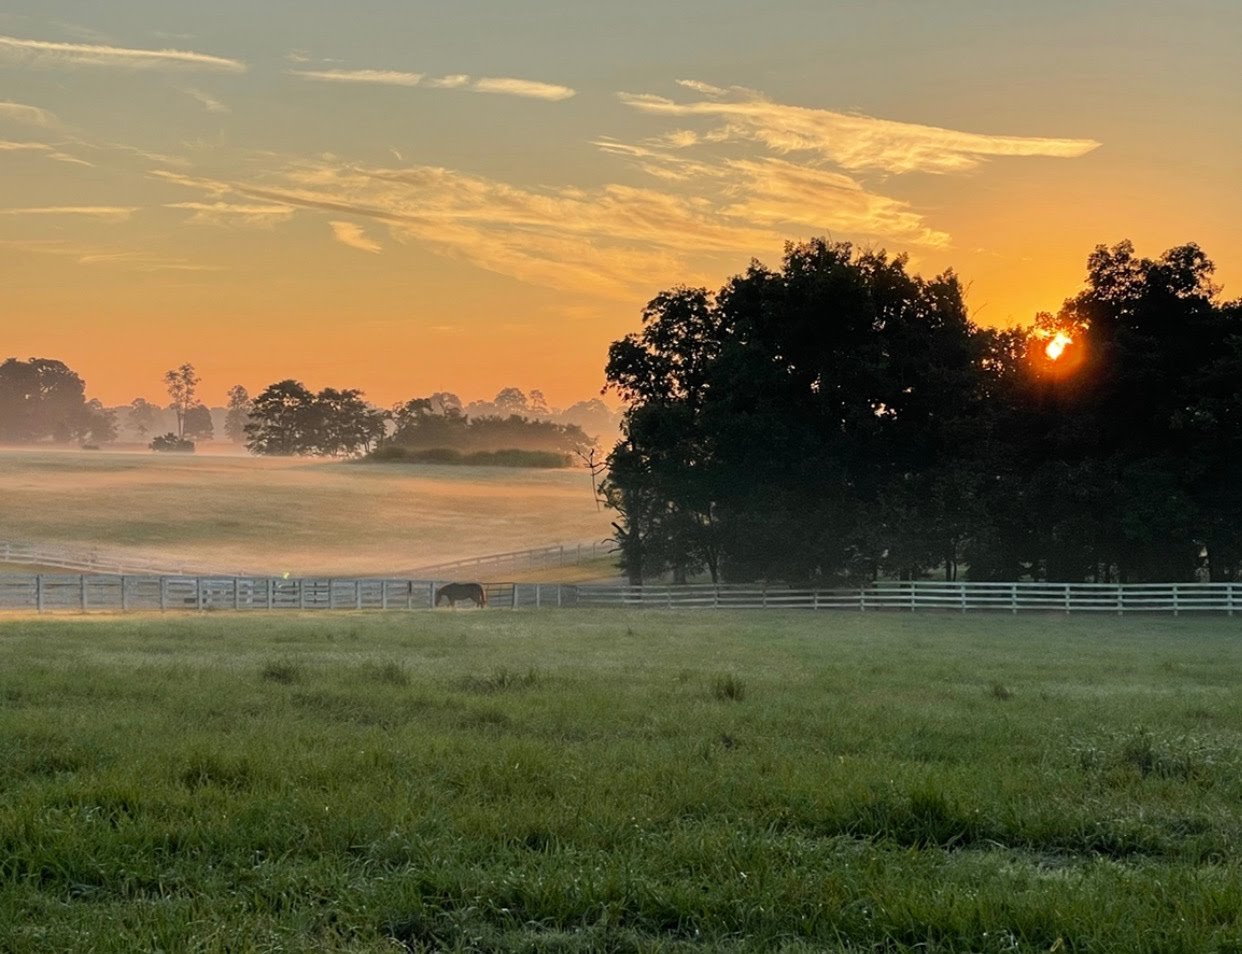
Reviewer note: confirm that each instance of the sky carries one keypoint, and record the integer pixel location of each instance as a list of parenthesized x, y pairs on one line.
[(410, 197)]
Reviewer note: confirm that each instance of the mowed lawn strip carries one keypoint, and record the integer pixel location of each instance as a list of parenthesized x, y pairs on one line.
[(647, 781)]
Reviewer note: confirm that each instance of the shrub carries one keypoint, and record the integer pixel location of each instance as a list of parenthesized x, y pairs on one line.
[(171, 443)]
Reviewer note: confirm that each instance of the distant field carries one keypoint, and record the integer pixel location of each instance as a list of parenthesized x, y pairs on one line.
[(582, 781), (232, 513)]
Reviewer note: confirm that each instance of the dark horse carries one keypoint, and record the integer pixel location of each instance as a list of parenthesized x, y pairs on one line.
[(461, 591)]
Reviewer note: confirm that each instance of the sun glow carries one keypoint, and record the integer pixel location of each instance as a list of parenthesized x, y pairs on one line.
[(1056, 347)]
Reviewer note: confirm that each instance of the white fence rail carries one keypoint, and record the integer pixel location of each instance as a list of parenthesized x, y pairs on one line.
[(88, 561), (559, 554), (123, 593)]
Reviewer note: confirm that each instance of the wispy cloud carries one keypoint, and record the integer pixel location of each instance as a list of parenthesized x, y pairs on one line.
[(377, 77), (111, 212), (33, 115), (854, 142), (128, 259), (207, 101), (520, 87), (42, 149), (452, 81), (507, 86), (233, 213), (351, 234), (50, 53)]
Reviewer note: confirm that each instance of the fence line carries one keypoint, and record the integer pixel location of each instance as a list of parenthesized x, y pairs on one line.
[(126, 592), (558, 554), (88, 561)]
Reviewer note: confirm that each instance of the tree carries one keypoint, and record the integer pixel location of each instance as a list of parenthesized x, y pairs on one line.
[(142, 417), (345, 425), (198, 424), (815, 422), (282, 420), (182, 384), (239, 405), (96, 424), (41, 399)]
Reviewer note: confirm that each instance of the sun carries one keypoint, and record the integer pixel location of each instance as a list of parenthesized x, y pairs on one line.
[(1056, 347)]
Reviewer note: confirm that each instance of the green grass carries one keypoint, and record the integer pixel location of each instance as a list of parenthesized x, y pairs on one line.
[(273, 515), (494, 781)]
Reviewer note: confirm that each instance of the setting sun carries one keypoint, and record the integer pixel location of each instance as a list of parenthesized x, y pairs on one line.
[(1056, 347)]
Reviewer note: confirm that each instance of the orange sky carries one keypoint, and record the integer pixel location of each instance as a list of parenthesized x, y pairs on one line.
[(412, 197)]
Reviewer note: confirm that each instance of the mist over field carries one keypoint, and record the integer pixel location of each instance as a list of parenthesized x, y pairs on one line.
[(264, 515)]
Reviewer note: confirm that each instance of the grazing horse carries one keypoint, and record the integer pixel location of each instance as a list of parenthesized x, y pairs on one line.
[(461, 591)]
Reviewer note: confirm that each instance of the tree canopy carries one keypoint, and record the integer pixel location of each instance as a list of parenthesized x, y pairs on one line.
[(840, 419)]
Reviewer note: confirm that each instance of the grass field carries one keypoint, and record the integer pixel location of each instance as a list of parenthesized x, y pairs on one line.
[(493, 781), (262, 515)]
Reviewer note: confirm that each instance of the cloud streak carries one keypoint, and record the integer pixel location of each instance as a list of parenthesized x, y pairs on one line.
[(351, 234), (50, 53), (111, 212), (854, 142), (31, 115), (529, 89), (503, 85), (232, 213), (373, 77)]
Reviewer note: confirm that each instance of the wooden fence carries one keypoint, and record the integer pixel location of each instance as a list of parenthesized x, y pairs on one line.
[(123, 593)]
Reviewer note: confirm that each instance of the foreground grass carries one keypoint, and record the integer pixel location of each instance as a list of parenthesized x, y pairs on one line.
[(493, 781)]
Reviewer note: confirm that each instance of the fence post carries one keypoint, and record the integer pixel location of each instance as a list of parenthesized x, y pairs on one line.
[(1229, 597), (862, 599), (357, 594), (961, 591), (383, 594), (765, 594), (82, 580), (559, 587), (124, 596), (716, 596), (1013, 598), (1121, 599), (331, 593), (39, 594), (301, 584), (1067, 598), (538, 596), (271, 587), (815, 598), (198, 591), (236, 593), (1176, 606), (163, 593), (431, 594), (515, 596)]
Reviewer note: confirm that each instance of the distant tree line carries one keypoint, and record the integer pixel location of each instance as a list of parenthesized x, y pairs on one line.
[(42, 400), (839, 419)]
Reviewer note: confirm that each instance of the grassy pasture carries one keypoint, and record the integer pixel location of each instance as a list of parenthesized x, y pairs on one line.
[(245, 514), (610, 781)]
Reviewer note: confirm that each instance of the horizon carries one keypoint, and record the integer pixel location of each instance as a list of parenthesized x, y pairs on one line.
[(417, 199)]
